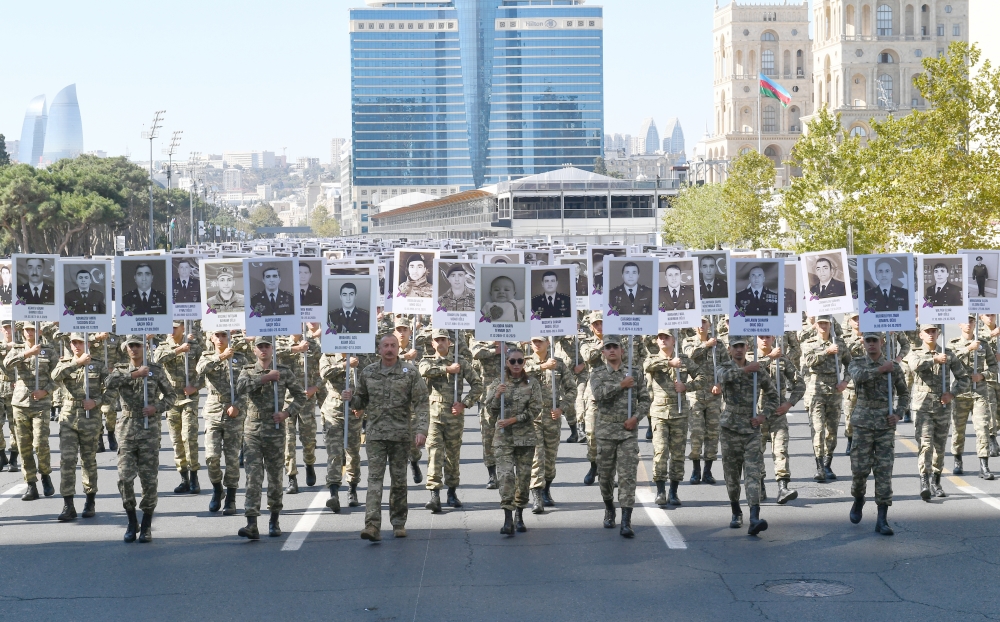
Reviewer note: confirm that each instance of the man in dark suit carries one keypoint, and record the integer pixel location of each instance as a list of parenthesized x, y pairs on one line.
[(550, 303), (712, 285), (979, 274), (5, 288), (144, 300), (676, 297), (85, 300), (943, 293), (36, 291), (186, 287), (884, 296), (828, 287), (349, 318), (757, 300), (272, 301), (791, 305), (631, 298), (309, 294)]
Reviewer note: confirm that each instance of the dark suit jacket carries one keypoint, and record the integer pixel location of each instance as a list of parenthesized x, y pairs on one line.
[(897, 300), (312, 297), (560, 306), (156, 304), (949, 296), (834, 289), (767, 304), (980, 272), (191, 294), (357, 323), (791, 304), (720, 289), (643, 305), (283, 303), (685, 298), (89, 304), (46, 296), (5, 294)]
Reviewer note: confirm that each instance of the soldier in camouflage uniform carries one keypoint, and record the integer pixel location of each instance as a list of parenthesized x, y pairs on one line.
[(291, 353), (486, 361), (6, 395), (145, 393), (225, 414), (519, 397), (79, 424), (332, 368), (740, 436), (705, 403), (273, 395), (856, 345), (447, 416), (989, 330), (32, 402), (668, 378), (541, 365), (178, 355), (931, 419), (775, 428), (822, 356), (875, 427), (106, 350), (979, 360), (913, 340), (408, 351), (567, 351), (591, 351), (394, 398)]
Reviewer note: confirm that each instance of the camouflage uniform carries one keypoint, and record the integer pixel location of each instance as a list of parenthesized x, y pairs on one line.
[(931, 417), (566, 351), (139, 435), (669, 422), (741, 441), (704, 407), (264, 439), (994, 385), (332, 369), (183, 416), (975, 401), (395, 402), (857, 347), (874, 443), (487, 361), (775, 429), (547, 429), (32, 416), (112, 344), (305, 419), (823, 402), (617, 448), (6, 396), (444, 439), (78, 428), (515, 444), (223, 434), (592, 352)]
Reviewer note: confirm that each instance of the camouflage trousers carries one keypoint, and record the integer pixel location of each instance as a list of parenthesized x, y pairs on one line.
[(7, 414), (669, 438), (488, 427), (223, 438), (183, 421), (514, 474), (823, 410), (994, 395), (775, 429), (333, 433), (33, 441), (930, 428), (78, 440), (703, 422), (265, 451), (110, 417), (394, 454), (850, 400), (543, 466), (978, 406), (742, 456), (138, 456), (444, 450), (623, 456), (873, 450), (305, 423), (590, 417)]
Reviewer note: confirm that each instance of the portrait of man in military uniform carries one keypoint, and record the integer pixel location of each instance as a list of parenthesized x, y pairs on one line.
[(271, 300), (580, 282), (756, 296), (940, 290), (414, 279), (823, 278), (791, 300), (884, 285), (631, 292), (982, 280), (6, 287), (309, 295), (225, 293), (457, 289), (550, 293), (597, 265), (35, 281), (347, 312), (83, 296), (676, 287), (146, 298), (186, 284), (713, 284)]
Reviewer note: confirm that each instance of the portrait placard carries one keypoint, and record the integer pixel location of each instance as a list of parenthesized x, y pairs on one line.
[(793, 299), (852, 274), (273, 308), (351, 303), (944, 298), (223, 294), (382, 269), (6, 289), (414, 284), (713, 272), (680, 295), (390, 288), (144, 291), (455, 306), (538, 257), (630, 295), (36, 288), (87, 295), (580, 281), (886, 300), (553, 305), (757, 292), (504, 257), (595, 271), (310, 289), (984, 267), (826, 282), (186, 286), (501, 299)]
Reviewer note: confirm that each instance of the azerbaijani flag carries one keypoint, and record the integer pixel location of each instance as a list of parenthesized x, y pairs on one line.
[(770, 88)]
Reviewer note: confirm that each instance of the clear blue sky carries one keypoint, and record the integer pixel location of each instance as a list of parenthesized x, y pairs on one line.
[(257, 74)]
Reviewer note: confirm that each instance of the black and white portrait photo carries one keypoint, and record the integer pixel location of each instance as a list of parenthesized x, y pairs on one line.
[(456, 286), (827, 282), (349, 304), (224, 285), (538, 258), (981, 283), (550, 293), (187, 284), (310, 287), (85, 287), (415, 277), (942, 293), (886, 283), (677, 285), (631, 291), (580, 280), (712, 275), (501, 296), (6, 283), (145, 285), (757, 288), (35, 279), (271, 285)]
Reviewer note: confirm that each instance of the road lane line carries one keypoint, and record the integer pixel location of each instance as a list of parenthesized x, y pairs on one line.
[(12, 492), (975, 492), (307, 522), (670, 534)]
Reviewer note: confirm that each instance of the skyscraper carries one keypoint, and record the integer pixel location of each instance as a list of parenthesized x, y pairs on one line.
[(651, 136), (673, 137), (64, 135), (33, 132)]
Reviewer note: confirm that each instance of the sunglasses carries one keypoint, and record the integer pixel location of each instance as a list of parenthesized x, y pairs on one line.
[(516, 361)]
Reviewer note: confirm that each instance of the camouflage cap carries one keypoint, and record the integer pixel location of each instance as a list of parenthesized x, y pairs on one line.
[(595, 316), (706, 318), (178, 323), (130, 339), (824, 318), (928, 327), (609, 339), (6, 323), (441, 332), (269, 340), (399, 320), (226, 271), (851, 314), (738, 339), (76, 337), (872, 335)]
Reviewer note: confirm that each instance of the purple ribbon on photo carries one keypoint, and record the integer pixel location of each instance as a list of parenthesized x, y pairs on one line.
[(535, 316), (612, 311), (400, 295), (441, 308), (330, 330), (211, 310), (485, 319), (663, 307), (127, 311), (67, 311), (927, 303), (739, 313), (597, 290), (255, 313), (20, 301), (868, 309), (811, 298)]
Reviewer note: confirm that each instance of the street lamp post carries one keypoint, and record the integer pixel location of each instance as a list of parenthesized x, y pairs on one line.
[(175, 141), (150, 135)]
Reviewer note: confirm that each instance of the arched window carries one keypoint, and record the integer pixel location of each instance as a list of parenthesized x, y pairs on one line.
[(745, 150), (774, 154), (767, 63), (885, 92), (768, 36), (883, 19), (770, 119), (886, 58), (859, 131)]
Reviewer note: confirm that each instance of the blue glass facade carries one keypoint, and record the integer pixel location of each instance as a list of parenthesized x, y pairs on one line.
[(64, 135), (33, 132)]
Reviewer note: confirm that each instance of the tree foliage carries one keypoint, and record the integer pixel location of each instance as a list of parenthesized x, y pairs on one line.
[(750, 219), (263, 215), (693, 219), (322, 223)]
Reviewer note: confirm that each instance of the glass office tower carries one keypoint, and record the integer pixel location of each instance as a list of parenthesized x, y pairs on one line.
[(64, 134), (33, 132)]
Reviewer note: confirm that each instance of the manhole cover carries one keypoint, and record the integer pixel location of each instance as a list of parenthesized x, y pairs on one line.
[(810, 589), (819, 492)]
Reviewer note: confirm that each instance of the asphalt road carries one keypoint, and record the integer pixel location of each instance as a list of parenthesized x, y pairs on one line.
[(684, 563)]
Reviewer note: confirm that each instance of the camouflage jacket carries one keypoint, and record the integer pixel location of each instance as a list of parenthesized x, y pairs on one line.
[(565, 383), (394, 399), (871, 411), (660, 378), (522, 400), (487, 361), (114, 353), (331, 370), (701, 356), (221, 385), (820, 368), (293, 360), (738, 397), (160, 392), (612, 402), (70, 377), (25, 369), (441, 384), (173, 365), (260, 396), (792, 384), (927, 382), (985, 363), (6, 375), (986, 333)]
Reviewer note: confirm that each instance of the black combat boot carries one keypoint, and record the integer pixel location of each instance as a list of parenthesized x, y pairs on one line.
[(216, 503), (827, 468), (100, 444), (133, 526), (31, 494), (185, 486), (882, 523), (959, 467), (492, 483), (547, 494), (146, 528), (89, 509), (820, 475), (293, 485), (588, 479), (13, 467), (757, 524), (649, 433), (352, 496), (434, 505), (250, 531), (112, 441), (626, 528), (195, 486), (984, 468), (574, 436), (925, 487), (856, 514), (519, 520), (994, 447), (508, 523), (850, 443), (763, 490), (672, 498), (273, 527), (661, 493), (936, 486), (68, 511), (907, 417), (3, 459), (706, 475), (538, 503), (609, 513), (47, 488), (310, 475), (230, 507), (417, 475), (737, 520), (334, 501), (583, 431), (453, 497), (695, 472), (784, 493)]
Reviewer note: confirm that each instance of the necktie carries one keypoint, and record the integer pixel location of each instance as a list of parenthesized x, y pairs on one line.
[(144, 298), (709, 288), (673, 294), (36, 292), (550, 301), (347, 315), (272, 299), (184, 285), (631, 296), (756, 294), (938, 291), (885, 293), (822, 290)]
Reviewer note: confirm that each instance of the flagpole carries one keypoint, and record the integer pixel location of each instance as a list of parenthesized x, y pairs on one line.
[(760, 118)]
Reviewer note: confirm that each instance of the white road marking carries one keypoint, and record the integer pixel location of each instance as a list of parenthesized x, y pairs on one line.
[(14, 491), (307, 522), (670, 534), (975, 492)]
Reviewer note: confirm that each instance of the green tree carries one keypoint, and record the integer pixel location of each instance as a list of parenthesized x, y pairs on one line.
[(599, 167), (322, 224), (750, 214), (263, 215), (694, 219), (4, 156)]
